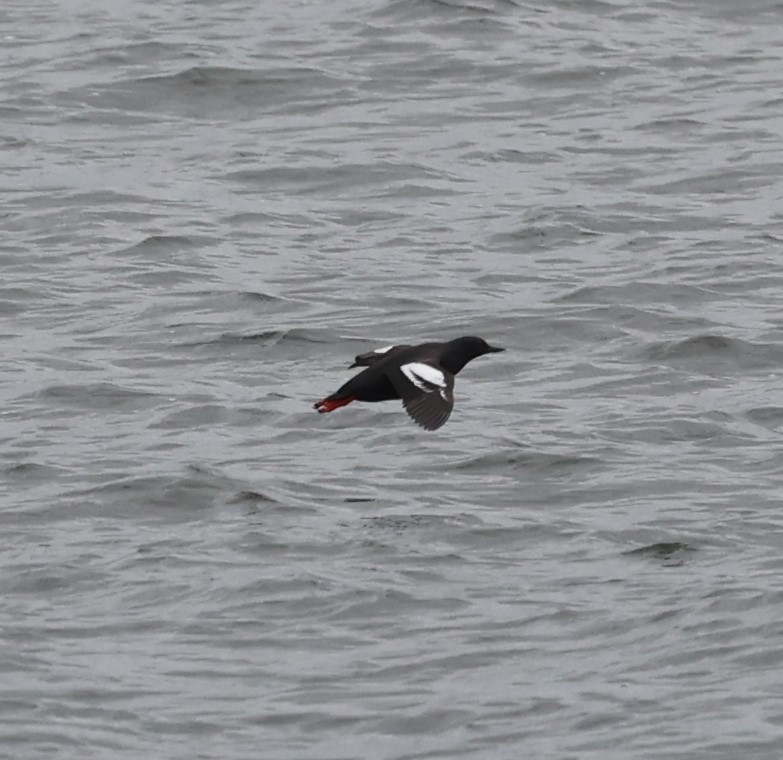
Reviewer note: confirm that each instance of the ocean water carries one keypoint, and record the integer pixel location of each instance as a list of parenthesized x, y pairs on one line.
[(208, 208)]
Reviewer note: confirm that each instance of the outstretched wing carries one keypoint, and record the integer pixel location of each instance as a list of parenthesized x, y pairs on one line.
[(427, 392), (369, 358)]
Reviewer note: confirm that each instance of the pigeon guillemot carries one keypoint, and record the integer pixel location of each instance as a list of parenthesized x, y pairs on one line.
[(422, 376)]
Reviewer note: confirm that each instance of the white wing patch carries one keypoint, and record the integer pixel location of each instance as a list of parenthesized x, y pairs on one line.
[(422, 374), (382, 350)]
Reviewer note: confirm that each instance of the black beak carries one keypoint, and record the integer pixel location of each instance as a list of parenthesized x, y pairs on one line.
[(495, 349)]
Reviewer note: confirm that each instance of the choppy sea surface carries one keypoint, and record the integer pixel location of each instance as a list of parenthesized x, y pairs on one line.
[(209, 207)]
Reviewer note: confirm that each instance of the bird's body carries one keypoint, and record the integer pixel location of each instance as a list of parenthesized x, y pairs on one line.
[(422, 376)]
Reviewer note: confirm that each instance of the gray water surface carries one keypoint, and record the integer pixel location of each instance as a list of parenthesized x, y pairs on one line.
[(209, 207)]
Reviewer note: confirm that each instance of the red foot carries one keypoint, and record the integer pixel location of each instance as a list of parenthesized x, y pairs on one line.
[(329, 405)]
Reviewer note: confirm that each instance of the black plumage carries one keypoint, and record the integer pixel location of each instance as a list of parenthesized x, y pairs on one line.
[(421, 376)]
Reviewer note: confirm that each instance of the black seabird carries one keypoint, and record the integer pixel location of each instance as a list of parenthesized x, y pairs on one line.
[(422, 376)]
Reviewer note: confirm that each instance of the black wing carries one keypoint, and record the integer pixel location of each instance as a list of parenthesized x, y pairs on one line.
[(369, 358), (427, 402)]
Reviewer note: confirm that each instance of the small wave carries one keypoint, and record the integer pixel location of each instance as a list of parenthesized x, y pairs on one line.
[(219, 90), (257, 296), (666, 550), (165, 245), (708, 349), (251, 497), (770, 417), (638, 292), (568, 464), (17, 299), (195, 488), (100, 396), (32, 471), (222, 76), (696, 345), (266, 338), (404, 522), (194, 417)]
